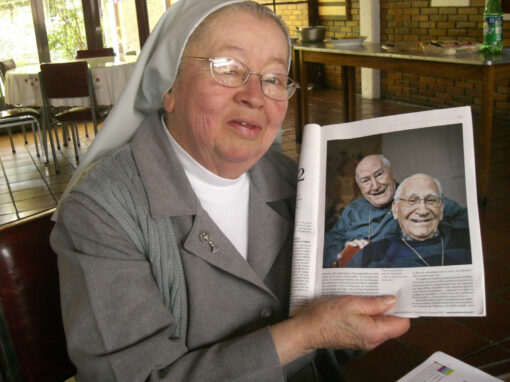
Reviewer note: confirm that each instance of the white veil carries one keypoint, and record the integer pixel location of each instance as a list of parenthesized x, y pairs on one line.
[(152, 76)]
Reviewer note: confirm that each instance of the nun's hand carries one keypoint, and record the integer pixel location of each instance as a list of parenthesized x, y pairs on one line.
[(338, 322)]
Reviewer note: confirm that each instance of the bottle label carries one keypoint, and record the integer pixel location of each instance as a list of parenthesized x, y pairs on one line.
[(493, 29)]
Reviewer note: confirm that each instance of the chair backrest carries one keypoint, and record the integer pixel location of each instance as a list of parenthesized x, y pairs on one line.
[(90, 53), (33, 345), (65, 80), (6, 65), (2, 96)]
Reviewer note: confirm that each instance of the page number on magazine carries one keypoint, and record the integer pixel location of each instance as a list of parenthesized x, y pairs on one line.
[(300, 174)]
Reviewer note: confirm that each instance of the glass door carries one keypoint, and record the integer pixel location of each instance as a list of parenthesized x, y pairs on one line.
[(120, 26), (65, 28), (155, 9), (17, 40)]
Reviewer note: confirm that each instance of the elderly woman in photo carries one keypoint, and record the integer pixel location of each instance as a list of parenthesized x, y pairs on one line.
[(423, 241), (174, 241)]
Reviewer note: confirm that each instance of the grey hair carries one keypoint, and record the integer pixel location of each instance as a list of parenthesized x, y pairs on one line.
[(398, 192), (257, 10), (385, 161)]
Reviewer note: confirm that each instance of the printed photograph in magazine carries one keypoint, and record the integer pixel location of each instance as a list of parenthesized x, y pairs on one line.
[(396, 213), (397, 200)]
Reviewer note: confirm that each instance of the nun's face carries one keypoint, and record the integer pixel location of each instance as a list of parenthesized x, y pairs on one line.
[(228, 129)]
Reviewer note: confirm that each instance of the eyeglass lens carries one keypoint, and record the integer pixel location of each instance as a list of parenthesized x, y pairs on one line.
[(232, 73), (430, 201)]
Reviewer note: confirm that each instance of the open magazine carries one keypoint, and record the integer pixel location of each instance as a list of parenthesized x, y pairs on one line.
[(389, 206)]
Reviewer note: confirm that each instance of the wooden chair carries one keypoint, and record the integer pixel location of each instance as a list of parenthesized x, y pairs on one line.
[(90, 53), (32, 340), (69, 80)]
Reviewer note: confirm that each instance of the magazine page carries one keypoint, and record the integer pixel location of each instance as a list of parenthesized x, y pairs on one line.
[(390, 207), (305, 269)]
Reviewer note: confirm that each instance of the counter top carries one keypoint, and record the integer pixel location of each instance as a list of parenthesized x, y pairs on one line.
[(376, 49)]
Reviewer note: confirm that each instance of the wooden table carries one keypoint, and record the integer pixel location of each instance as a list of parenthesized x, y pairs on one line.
[(474, 66)]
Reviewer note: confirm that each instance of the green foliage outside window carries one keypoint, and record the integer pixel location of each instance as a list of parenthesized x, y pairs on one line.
[(65, 28)]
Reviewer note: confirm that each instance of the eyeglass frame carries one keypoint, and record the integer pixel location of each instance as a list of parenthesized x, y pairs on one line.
[(293, 84), (418, 202)]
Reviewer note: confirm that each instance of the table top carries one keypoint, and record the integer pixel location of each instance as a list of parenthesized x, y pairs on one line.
[(93, 63), (109, 76), (372, 49)]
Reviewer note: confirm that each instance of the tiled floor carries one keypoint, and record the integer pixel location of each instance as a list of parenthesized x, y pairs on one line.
[(27, 187)]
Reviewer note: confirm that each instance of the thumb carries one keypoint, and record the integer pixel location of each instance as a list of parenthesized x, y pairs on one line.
[(373, 306)]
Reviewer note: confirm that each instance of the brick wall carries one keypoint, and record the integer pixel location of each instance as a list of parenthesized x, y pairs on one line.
[(294, 15), (339, 29), (415, 20)]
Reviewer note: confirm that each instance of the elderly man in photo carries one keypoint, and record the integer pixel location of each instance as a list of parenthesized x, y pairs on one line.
[(418, 207), (369, 218)]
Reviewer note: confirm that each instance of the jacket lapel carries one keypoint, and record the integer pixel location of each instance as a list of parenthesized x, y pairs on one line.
[(268, 232), (208, 242), (271, 217)]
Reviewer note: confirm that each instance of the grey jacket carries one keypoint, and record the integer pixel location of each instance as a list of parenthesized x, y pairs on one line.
[(116, 323)]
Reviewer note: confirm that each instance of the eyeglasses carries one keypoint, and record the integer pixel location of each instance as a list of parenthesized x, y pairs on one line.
[(430, 200), (232, 73)]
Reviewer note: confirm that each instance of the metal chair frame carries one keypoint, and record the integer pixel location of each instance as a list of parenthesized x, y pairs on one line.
[(53, 118), (4, 67), (23, 120), (22, 116)]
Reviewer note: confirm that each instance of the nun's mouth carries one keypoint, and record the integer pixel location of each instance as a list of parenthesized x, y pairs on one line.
[(247, 128)]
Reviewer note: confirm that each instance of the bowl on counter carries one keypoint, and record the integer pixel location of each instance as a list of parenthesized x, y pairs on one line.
[(311, 34)]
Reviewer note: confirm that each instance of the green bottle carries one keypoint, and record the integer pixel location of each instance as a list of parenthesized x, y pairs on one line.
[(493, 28)]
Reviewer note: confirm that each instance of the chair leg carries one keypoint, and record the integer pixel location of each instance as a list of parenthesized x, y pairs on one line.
[(55, 129), (75, 126), (73, 132), (86, 130), (53, 147), (65, 135), (35, 141), (95, 126), (10, 138), (24, 134), (43, 140)]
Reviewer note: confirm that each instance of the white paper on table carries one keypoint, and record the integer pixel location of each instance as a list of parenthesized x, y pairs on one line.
[(442, 367)]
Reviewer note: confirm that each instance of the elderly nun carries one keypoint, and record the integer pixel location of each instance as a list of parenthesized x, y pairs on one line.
[(174, 238)]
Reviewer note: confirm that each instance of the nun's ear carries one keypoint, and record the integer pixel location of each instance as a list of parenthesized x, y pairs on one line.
[(169, 101)]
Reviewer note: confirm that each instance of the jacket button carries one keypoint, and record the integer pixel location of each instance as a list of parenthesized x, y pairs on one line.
[(265, 313)]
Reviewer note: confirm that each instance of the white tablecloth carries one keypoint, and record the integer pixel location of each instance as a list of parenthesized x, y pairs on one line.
[(109, 77)]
